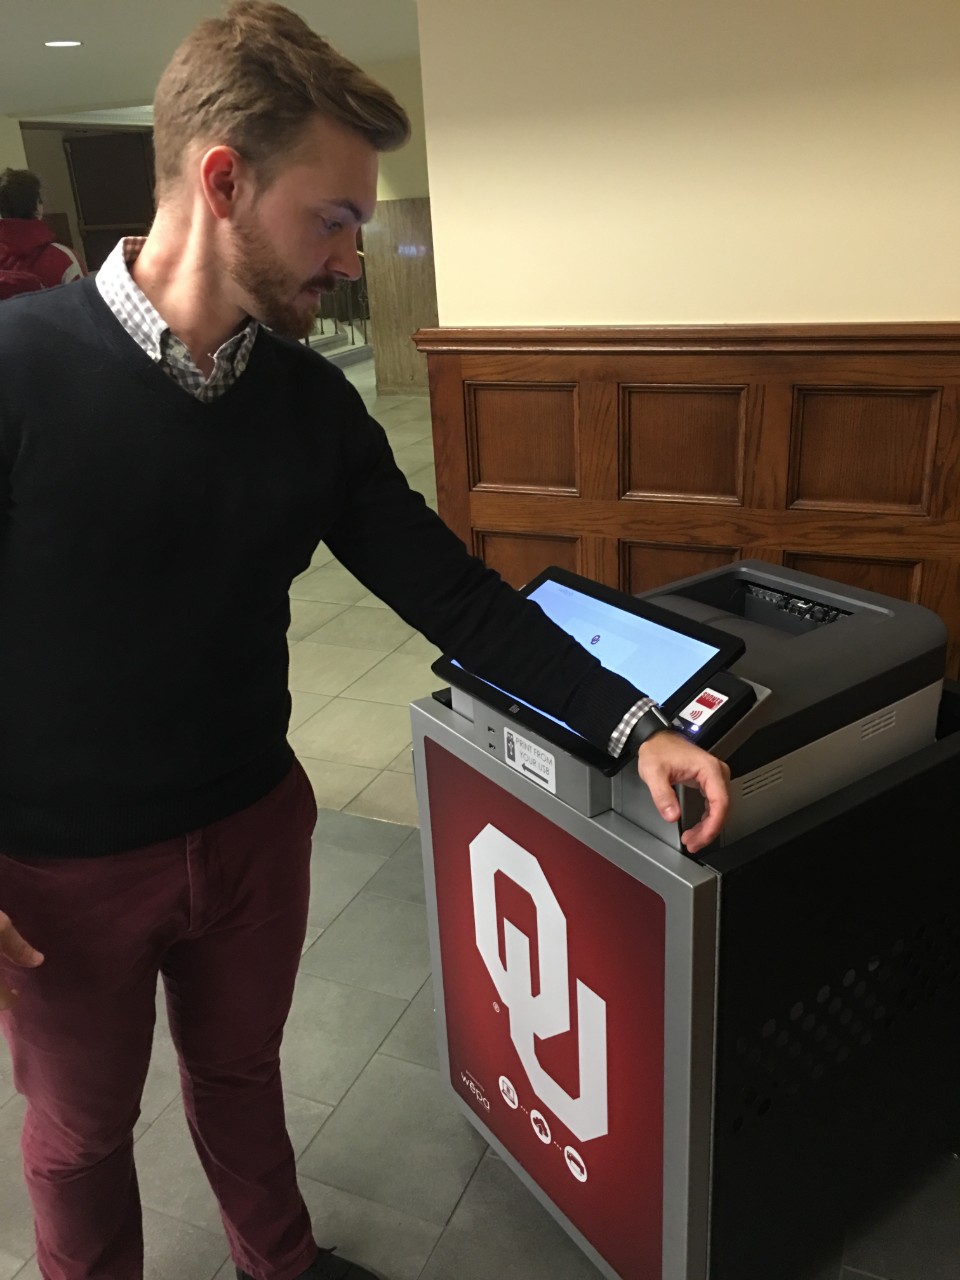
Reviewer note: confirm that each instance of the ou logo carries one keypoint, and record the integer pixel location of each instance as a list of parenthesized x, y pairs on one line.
[(546, 1014)]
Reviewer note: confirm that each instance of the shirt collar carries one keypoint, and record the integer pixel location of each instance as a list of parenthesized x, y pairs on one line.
[(144, 322)]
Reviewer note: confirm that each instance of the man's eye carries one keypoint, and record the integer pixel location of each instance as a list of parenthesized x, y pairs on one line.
[(332, 226)]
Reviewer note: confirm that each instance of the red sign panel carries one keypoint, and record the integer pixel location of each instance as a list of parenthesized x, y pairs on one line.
[(553, 970)]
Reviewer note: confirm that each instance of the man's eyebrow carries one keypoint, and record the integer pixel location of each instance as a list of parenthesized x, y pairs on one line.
[(350, 207)]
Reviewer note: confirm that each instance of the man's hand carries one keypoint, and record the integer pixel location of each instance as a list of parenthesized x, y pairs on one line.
[(667, 759), (14, 949)]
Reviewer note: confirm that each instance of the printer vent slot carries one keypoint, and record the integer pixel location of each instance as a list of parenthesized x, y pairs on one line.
[(760, 781), (870, 728)]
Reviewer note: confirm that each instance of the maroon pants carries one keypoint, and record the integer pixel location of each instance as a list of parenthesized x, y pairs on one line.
[(221, 914)]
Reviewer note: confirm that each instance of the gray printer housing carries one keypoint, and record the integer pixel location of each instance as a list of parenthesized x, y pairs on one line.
[(837, 700)]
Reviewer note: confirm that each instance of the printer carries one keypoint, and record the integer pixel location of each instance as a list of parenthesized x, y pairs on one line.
[(847, 681)]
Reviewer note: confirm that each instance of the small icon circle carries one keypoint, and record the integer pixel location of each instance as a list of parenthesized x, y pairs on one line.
[(509, 1093), (575, 1164), (541, 1128)]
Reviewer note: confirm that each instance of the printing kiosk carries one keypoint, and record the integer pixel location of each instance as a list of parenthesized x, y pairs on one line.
[(706, 1068)]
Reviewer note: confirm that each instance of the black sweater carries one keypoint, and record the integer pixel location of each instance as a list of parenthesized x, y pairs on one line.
[(147, 546)]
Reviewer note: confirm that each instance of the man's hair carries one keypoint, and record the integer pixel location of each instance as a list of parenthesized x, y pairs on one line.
[(252, 80), (19, 193)]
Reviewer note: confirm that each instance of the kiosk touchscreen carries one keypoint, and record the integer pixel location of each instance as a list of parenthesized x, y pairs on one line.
[(668, 657)]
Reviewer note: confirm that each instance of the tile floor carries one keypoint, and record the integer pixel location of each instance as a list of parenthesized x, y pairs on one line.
[(390, 1170)]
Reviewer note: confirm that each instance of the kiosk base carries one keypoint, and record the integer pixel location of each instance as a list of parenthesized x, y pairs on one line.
[(705, 1070)]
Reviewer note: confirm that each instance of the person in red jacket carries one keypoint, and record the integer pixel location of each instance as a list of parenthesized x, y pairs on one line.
[(30, 258)]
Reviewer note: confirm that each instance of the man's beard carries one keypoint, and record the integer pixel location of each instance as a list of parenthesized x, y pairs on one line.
[(270, 287)]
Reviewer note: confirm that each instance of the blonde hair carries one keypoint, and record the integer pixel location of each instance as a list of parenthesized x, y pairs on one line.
[(252, 80)]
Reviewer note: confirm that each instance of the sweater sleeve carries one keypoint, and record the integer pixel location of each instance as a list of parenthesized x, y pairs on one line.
[(389, 538)]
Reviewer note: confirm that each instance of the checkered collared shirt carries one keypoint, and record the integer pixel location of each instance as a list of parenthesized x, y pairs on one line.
[(153, 335)]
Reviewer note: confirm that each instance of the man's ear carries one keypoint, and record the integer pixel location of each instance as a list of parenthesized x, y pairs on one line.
[(224, 176)]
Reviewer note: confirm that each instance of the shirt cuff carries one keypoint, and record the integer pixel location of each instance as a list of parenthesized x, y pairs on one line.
[(622, 732)]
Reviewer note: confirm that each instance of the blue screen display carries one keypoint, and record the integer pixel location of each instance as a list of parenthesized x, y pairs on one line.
[(652, 657)]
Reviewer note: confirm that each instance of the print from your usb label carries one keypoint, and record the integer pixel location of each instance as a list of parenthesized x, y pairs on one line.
[(530, 760), (703, 706)]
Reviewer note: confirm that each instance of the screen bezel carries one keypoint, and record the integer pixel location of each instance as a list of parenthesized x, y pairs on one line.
[(729, 649)]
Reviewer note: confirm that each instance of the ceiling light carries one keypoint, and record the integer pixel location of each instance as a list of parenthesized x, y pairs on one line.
[(62, 44)]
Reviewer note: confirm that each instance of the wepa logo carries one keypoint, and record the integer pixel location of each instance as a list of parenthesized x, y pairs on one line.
[(546, 1014)]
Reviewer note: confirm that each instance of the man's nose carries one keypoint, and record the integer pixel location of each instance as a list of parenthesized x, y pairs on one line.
[(346, 260)]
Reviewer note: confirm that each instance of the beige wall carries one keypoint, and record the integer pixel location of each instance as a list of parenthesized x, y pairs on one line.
[(639, 162), (11, 146), (45, 156), (403, 174)]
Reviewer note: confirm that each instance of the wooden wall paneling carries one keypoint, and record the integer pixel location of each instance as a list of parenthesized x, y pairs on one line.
[(761, 551), (900, 578), (861, 448), (402, 286), (683, 441), (767, 448), (523, 436), (519, 557), (451, 455), (598, 434), (945, 478), (850, 439), (648, 565)]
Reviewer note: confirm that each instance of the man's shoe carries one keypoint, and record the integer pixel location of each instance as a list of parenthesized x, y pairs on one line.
[(328, 1266)]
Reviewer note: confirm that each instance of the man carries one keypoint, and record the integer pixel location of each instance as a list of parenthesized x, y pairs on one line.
[(167, 465), (30, 259)]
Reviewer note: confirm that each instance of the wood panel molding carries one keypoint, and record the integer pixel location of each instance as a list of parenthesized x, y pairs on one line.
[(639, 455)]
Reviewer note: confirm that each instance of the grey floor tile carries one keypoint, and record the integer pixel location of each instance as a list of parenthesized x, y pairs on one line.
[(361, 834), (407, 433), (399, 678), (364, 629), (379, 944), (334, 783), (397, 1139), (16, 1216), (174, 1250), (336, 877), (414, 1038), (420, 644), (499, 1230), (9, 1265), (30, 1271), (329, 668), (307, 616), (351, 732), (424, 481), (331, 1033), (304, 705), (916, 1237), (401, 876), (310, 937), (331, 583), (322, 555), (393, 1243), (402, 763), (6, 1074), (163, 1078), (305, 1119), (414, 457), (172, 1180), (390, 797)]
